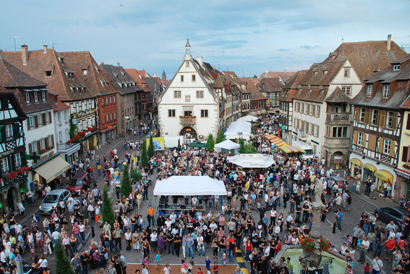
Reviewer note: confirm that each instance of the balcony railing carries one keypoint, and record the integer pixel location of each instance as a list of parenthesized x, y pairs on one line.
[(187, 120), (338, 117)]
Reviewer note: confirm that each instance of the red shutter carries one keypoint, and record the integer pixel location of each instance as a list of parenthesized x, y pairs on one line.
[(44, 119), (30, 149), (36, 121), (49, 114), (46, 142), (39, 147), (52, 140), (28, 123)]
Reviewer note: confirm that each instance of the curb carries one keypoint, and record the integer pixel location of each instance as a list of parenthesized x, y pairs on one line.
[(240, 260)]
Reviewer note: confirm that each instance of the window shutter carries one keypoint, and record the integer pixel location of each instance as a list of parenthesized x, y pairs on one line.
[(30, 149), (52, 140), (38, 147), (46, 142), (364, 140), (355, 138), (23, 158), (51, 117), (395, 119), (3, 133), (408, 154), (318, 111), (382, 120), (368, 116), (308, 109), (44, 119), (12, 161), (381, 144), (372, 142), (16, 130), (404, 154), (357, 113), (36, 120), (28, 123), (392, 148)]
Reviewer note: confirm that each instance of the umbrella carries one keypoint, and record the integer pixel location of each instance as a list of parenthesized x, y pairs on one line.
[(338, 178)]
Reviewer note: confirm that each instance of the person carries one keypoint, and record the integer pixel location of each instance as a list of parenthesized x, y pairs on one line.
[(377, 265), (76, 264), (367, 268), (151, 212), (289, 265), (144, 269), (123, 262), (43, 263), (167, 269), (339, 215), (158, 260), (238, 271), (215, 268), (364, 246)]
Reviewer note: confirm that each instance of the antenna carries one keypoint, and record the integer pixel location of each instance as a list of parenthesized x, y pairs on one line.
[(54, 43), (15, 45)]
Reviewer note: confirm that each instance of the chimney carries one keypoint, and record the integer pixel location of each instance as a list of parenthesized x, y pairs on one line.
[(45, 49), (199, 59), (388, 42), (266, 73), (24, 53), (118, 64)]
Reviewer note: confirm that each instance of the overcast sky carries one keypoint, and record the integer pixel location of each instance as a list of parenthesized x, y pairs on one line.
[(247, 37)]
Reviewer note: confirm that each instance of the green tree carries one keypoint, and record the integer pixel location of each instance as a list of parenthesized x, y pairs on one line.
[(254, 76), (220, 137), (151, 150), (107, 208), (63, 263), (210, 143), (144, 156), (135, 174), (241, 146), (126, 187)]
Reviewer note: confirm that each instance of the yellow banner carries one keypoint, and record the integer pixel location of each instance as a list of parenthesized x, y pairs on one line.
[(159, 143)]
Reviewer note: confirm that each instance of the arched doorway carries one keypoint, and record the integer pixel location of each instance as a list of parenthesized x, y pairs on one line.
[(338, 160), (188, 130), (12, 198)]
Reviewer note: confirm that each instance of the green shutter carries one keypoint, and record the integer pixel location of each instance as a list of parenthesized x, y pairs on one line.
[(3, 134), (16, 130), (12, 162)]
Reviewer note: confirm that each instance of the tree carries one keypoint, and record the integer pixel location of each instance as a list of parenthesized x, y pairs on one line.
[(151, 150), (254, 76), (220, 137), (241, 146), (107, 208), (144, 156), (63, 263), (210, 143), (126, 188), (135, 174)]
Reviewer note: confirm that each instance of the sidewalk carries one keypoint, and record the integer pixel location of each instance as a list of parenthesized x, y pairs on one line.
[(379, 202)]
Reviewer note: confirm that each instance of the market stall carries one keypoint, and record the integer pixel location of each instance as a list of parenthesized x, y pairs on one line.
[(252, 160), (227, 146)]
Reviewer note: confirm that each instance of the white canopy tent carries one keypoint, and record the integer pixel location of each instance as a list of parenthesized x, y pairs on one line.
[(238, 129), (189, 185), (252, 160), (248, 118), (227, 146)]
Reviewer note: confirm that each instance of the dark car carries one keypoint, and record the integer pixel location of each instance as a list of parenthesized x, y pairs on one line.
[(390, 213), (81, 180)]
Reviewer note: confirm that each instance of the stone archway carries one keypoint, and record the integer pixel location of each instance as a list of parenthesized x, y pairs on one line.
[(337, 159), (188, 130)]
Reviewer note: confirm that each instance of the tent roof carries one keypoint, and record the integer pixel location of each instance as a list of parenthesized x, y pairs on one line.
[(189, 185), (248, 118), (197, 144), (228, 144), (252, 160)]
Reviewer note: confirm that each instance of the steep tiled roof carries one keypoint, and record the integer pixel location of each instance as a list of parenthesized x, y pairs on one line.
[(293, 82), (399, 88), (120, 79), (284, 75), (138, 78), (11, 77), (59, 105), (255, 93), (338, 96), (218, 82), (270, 85), (314, 94)]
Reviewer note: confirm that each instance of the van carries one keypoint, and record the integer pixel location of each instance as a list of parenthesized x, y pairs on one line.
[(81, 180), (307, 148)]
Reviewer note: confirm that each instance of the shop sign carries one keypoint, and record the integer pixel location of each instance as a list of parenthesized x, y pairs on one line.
[(402, 174)]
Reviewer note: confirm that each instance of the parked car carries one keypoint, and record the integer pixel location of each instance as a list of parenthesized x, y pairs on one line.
[(51, 200), (81, 180), (390, 213)]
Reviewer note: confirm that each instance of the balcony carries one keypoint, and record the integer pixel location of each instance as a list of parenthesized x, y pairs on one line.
[(187, 121), (338, 118)]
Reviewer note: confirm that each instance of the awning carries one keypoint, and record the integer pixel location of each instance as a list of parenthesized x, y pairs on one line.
[(52, 169), (197, 144), (276, 140), (384, 175), (370, 167), (291, 149), (356, 162)]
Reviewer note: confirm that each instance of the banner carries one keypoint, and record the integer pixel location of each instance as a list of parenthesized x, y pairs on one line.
[(159, 143)]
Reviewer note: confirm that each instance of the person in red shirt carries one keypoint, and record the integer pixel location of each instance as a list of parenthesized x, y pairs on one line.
[(248, 250), (402, 243), (216, 268), (278, 247), (390, 244), (199, 271)]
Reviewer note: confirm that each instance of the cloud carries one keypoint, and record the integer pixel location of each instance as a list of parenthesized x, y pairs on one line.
[(283, 50), (309, 47)]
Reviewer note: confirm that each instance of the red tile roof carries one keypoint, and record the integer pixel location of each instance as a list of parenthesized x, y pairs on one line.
[(138, 78), (11, 77), (284, 75)]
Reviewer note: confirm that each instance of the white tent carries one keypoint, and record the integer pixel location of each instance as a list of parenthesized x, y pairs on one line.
[(248, 118), (252, 160), (238, 129), (227, 144), (189, 185)]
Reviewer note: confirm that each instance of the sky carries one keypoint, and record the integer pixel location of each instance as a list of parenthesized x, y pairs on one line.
[(247, 37)]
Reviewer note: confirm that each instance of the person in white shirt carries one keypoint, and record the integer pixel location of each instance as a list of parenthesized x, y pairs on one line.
[(364, 246)]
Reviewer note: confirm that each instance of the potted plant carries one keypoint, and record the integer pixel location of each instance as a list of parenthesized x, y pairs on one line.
[(22, 170), (307, 244), (324, 245)]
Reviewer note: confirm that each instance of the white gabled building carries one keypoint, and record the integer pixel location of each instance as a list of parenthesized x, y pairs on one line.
[(193, 103)]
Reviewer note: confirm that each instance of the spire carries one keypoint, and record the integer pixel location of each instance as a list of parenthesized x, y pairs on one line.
[(164, 76), (218, 83), (187, 47)]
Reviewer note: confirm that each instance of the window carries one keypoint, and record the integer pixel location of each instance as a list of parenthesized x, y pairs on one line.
[(187, 113), (187, 63), (177, 94), (374, 117), (42, 144), (9, 132), (17, 159), (88, 105), (60, 137), (35, 97), (28, 97), (92, 104), (369, 90), (110, 101), (58, 118), (84, 125), (88, 122), (340, 132), (71, 108), (48, 73), (396, 67), (171, 112), (93, 120), (389, 120), (106, 100), (302, 109), (386, 146), (347, 73), (199, 94), (362, 114), (77, 106), (360, 138), (204, 113), (106, 118), (312, 110), (182, 78), (115, 115), (79, 127), (405, 154), (386, 89), (193, 78), (4, 165), (346, 90), (113, 99), (85, 72), (44, 96)]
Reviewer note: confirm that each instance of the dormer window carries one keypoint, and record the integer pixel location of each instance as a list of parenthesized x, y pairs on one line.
[(35, 97), (369, 90), (28, 100), (386, 90), (85, 72), (115, 75), (396, 67), (43, 95), (48, 73), (347, 73)]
